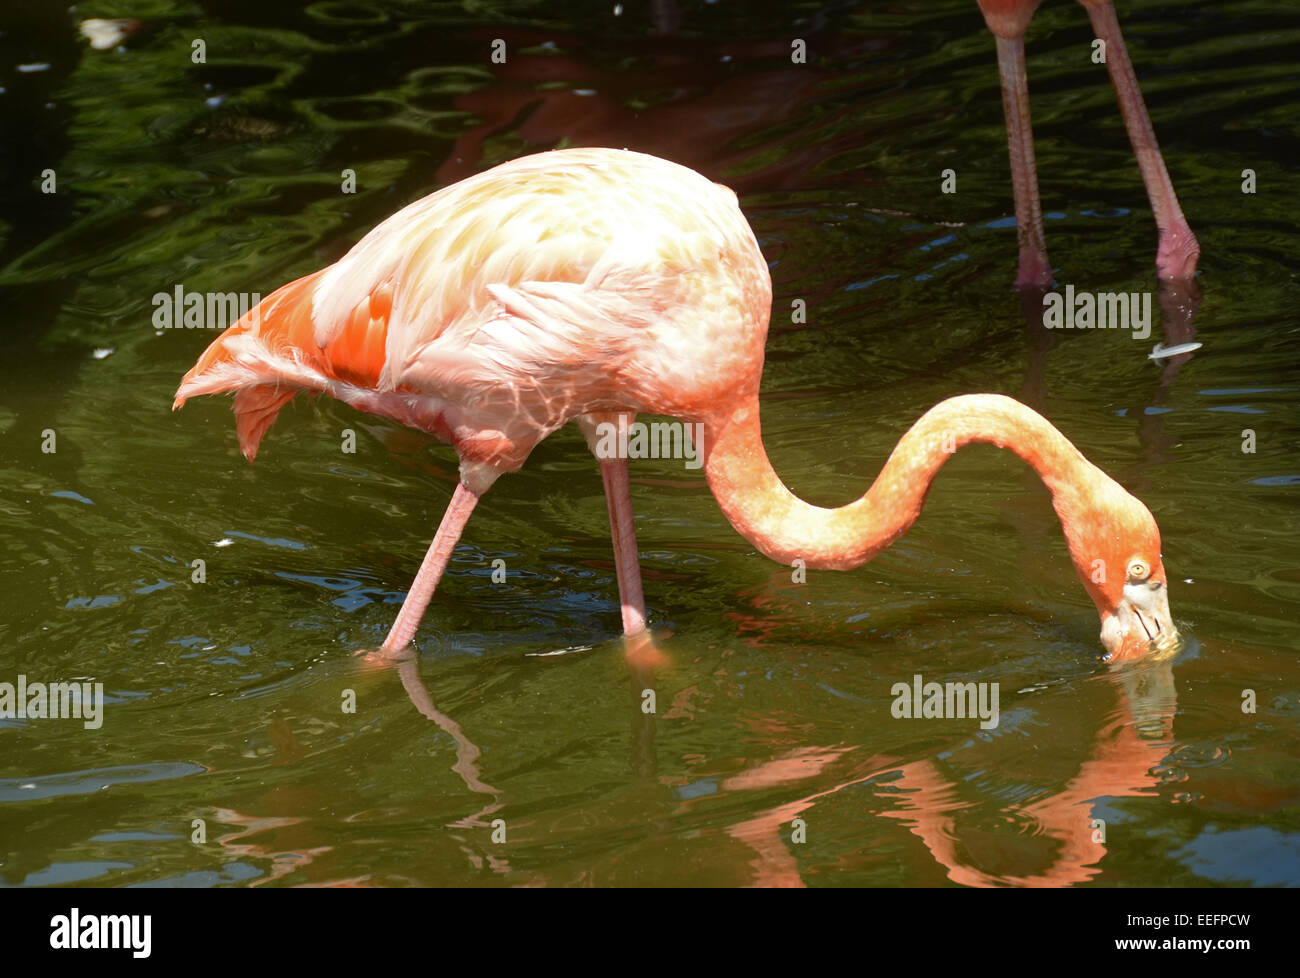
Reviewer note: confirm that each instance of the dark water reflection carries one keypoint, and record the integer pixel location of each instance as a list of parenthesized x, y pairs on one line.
[(524, 712)]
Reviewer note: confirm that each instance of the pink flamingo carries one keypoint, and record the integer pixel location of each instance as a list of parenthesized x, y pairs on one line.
[(1177, 250), (592, 284)]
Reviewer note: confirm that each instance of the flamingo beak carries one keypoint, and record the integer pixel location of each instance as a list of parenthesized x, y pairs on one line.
[(1141, 623)]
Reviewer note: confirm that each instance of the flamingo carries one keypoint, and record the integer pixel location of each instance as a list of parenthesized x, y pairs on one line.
[(590, 285), (1177, 249)]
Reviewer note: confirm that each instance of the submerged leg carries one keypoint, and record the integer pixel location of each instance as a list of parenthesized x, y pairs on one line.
[(604, 432), (435, 562), (1177, 251), (623, 532)]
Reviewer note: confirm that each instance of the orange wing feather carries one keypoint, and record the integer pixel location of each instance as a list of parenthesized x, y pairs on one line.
[(283, 322)]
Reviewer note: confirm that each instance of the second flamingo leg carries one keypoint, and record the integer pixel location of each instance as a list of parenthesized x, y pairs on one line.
[(1008, 22), (1035, 270), (1178, 250)]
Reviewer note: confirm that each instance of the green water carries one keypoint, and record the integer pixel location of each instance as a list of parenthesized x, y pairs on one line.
[(523, 714)]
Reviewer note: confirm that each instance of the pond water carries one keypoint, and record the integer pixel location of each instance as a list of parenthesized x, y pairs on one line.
[(516, 748)]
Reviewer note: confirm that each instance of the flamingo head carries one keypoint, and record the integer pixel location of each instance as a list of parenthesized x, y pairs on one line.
[(1138, 620), (1115, 546)]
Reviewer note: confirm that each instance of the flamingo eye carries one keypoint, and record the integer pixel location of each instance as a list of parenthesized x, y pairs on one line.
[(1138, 570)]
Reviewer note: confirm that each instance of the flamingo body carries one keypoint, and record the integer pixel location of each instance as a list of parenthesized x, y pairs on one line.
[(496, 310), (592, 284)]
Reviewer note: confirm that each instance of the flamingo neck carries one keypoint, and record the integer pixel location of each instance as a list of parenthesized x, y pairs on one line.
[(785, 528)]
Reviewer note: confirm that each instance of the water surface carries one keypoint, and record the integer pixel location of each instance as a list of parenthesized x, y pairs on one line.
[(225, 698)]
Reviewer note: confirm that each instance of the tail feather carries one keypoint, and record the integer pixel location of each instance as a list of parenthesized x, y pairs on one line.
[(255, 412)]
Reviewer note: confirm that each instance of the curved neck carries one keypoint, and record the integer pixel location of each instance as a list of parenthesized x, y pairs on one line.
[(785, 528)]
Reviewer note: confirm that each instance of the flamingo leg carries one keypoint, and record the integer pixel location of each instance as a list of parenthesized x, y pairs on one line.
[(435, 562), (1035, 271), (1178, 249), (623, 532)]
